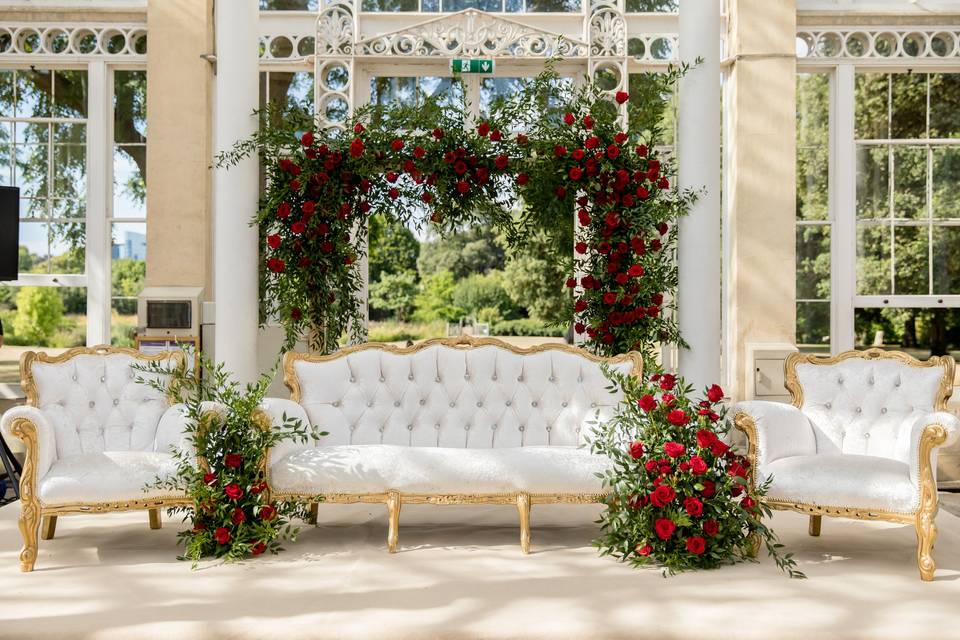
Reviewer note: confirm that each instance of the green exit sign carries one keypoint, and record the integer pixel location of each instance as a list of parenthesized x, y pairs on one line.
[(471, 65)]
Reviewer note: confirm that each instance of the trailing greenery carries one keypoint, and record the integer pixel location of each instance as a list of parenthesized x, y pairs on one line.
[(221, 462)]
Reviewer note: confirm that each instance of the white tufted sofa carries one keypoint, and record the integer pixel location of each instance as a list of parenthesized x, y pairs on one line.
[(95, 437), (859, 441), (445, 422)]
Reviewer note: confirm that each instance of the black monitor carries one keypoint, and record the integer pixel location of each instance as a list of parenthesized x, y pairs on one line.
[(9, 233)]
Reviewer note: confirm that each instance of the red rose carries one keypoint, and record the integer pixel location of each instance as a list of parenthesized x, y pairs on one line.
[(718, 448), (674, 449), (559, 151), (483, 129), (233, 491), (222, 534), (579, 327), (326, 246), (463, 187), (592, 142), (662, 228), (575, 173), (710, 527), (588, 121), (394, 193), (496, 136), (580, 306), (309, 207), (571, 283), (296, 313), (356, 148), (238, 516), (501, 162), (715, 393), (641, 150), (210, 478), (568, 118), (232, 460), (709, 489), (651, 466), (643, 193), (693, 506), (522, 179), (656, 245), (358, 128), (636, 449), (662, 496), (297, 228), (419, 152), (635, 271), (577, 154), (560, 192), (273, 240), (268, 513), (647, 403), (667, 381), (610, 297), (678, 417), (427, 197), (696, 545), (737, 469), (613, 152), (664, 528), (460, 167), (705, 438), (698, 465), (645, 550), (622, 96), (258, 548), (306, 139), (438, 133), (580, 247), (283, 211), (663, 183), (276, 265), (747, 503), (620, 138), (258, 488), (522, 139)]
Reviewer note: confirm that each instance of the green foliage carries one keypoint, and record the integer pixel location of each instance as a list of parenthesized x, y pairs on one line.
[(228, 487), (39, 312), (462, 253), (394, 292), (678, 495), (527, 327), (402, 332), (534, 279), (393, 247), (435, 300), (128, 276), (484, 292)]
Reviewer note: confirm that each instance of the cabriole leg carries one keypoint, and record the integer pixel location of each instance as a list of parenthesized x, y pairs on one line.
[(393, 512), (314, 512), (523, 507), (155, 519), (926, 536), (29, 524), (48, 527), (814, 528)]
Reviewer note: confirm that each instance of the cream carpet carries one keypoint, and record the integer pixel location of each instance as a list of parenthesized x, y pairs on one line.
[(111, 577)]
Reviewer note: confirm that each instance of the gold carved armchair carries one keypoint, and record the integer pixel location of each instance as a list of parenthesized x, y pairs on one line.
[(859, 441), (95, 438)]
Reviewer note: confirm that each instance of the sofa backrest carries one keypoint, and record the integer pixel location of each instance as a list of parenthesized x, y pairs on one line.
[(865, 402), (474, 393), (92, 399)]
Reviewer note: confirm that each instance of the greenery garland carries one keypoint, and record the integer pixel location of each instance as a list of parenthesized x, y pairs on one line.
[(591, 185)]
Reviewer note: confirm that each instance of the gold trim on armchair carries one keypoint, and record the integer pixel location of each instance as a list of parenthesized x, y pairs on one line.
[(32, 510), (933, 435), (394, 499)]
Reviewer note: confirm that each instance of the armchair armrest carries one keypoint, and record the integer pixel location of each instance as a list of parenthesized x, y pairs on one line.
[(276, 408), (775, 430), (30, 425), (171, 430), (929, 432)]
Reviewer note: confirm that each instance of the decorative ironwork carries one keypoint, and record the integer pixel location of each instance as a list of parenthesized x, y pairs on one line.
[(80, 39), (878, 43)]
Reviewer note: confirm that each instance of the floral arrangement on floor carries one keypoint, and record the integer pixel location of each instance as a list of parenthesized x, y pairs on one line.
[(586, 179), (221, 464), (680, 497)]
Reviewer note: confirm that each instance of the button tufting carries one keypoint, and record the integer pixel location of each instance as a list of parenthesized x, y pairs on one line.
[(883, 410), (533, 404), (422, 402), (579, 378), (839, 380), (552, 379), (370, 404), (897, 383), (409, 427), (520, 379), (866, 435), (509, 403), (871, 380), (103, 378), (381, 429), (479, 404), (410, 377), (593, 405), (563, 404), (828, 405), (493, 427), (453, 404), (466, 427), (92, 404), (353, 427), (352, 379), (494, 377), (521, 427), (466, 376), (116, 402), (382, 379), (336, 403), (437, 426), (437, 379), (549, 429), (74, 377), (396, 403), (859, 410)]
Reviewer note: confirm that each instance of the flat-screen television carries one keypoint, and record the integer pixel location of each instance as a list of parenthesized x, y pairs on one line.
[(9, 232)]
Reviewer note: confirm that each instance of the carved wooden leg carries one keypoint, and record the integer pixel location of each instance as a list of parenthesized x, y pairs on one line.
[(814, 528), (753, 545), (523, 507), (926, 536), (48, 527), (29, 521), (933, 436), (155, 519), (314, 512), (393, 511)]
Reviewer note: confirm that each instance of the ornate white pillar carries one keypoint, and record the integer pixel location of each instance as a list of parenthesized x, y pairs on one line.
[(699, 292), (235, 190)]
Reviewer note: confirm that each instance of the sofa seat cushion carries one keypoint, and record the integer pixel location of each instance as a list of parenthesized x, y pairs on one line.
[(359, 469), (860, 482), (111, 476)]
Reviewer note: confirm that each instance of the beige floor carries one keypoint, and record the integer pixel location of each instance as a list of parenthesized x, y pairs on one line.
[(111, 577)]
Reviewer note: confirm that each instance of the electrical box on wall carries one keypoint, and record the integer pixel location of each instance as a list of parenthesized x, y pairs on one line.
[(766, 362), (169, 312)]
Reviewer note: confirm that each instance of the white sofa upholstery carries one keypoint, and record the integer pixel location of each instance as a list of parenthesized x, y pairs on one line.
[(860, 439), (95, 437), (446, 421)]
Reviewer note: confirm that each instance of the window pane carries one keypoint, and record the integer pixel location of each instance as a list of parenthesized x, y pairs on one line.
[(288, 88), (460, 5), (7, 81), (52, 247), (946, 181), (31, 174), (34, 91), (645, 6), (920, 332), (289, 5), (945, 105), (908, 105), (813, 164), (909, 182), (128, 272), (44, 317), (655, 107), (872, 111), (873, 259), (130, 106), (911, 260), (873, 187), (385, 91), (813, 326), (946, 266), (389, 5), (129, 185), (552, 5), (70, 171), (70, 94), (813, 262)]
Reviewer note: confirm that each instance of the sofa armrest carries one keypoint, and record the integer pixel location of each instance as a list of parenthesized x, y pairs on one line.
[(276, 409), (775, 430), (172, 428), (929, 432), (30, 425)]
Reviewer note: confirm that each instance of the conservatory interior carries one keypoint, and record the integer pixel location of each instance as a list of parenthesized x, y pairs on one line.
[(479, 318)]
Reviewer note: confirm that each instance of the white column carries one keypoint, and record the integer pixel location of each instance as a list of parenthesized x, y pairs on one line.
[(235, 190), (699, 156), (99, 180)]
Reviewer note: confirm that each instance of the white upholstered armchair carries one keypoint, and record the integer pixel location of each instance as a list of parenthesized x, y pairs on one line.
[(95, 438), (859, 441)]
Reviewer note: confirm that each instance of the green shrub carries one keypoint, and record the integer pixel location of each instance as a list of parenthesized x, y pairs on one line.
[(394, 293), (39, 312), (484, 291), (527, 327), (403, 331), (435, 300)]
